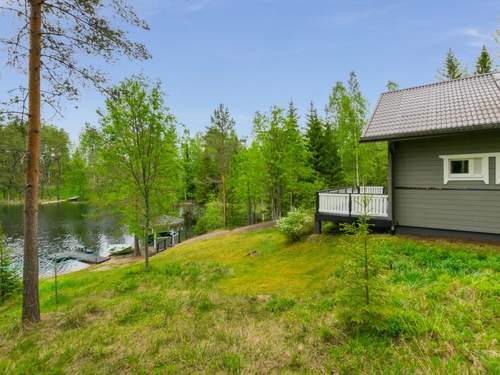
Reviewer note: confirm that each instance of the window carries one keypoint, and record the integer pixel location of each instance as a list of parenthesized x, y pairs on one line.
[(459, 166), (469, 167)]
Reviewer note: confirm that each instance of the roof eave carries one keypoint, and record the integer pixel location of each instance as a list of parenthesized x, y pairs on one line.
[(430, 133)]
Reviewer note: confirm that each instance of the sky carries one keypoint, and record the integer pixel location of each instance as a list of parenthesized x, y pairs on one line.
[(253, 54)]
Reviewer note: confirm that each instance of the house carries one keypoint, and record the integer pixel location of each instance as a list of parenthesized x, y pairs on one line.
[(444, 162)]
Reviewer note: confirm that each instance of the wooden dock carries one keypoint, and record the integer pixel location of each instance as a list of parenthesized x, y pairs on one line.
[(76, 255)]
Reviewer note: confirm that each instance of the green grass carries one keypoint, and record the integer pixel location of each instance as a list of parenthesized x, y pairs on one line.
[(209, 307)]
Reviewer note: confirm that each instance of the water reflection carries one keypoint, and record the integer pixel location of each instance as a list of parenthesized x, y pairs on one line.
[(62, 227)]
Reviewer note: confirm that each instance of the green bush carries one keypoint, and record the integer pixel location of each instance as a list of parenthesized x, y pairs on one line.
[(232, 363), (279, 304), (213, 218), (297, 225), (9, 281)]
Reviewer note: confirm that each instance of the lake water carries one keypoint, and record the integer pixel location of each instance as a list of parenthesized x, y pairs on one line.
[(66, 226)]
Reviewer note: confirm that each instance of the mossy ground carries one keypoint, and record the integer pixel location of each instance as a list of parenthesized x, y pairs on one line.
[(253, 303)]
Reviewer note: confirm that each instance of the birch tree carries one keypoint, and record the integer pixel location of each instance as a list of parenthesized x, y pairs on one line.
[(347, 110), (139, 155)]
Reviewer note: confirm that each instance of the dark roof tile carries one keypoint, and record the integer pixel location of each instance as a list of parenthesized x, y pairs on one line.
[(459, 105)]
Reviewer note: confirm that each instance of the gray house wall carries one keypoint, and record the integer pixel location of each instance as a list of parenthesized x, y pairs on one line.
[(420, 197)]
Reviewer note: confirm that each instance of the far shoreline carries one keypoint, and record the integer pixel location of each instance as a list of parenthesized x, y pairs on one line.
[(41, 202)]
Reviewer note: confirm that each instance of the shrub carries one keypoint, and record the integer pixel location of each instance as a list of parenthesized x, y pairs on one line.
[(297, 225), (280, 304), (232, 363), (9, 281), (212, 218)]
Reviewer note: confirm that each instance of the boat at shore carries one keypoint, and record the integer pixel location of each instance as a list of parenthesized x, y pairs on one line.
[(120, 249)]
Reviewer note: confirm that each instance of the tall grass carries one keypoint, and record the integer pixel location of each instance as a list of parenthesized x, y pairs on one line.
[(208, 307)]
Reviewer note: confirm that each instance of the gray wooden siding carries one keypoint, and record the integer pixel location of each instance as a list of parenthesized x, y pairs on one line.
[(417, 167)]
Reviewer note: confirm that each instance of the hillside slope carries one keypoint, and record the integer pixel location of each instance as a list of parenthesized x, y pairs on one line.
[(252, 303)]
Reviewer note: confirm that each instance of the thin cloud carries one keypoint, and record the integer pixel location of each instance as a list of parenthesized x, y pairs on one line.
[(365, 13), (153, 7), (198, 5), (475, 37)]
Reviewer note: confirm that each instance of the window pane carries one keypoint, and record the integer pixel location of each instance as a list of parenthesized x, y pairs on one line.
[(459, 166)]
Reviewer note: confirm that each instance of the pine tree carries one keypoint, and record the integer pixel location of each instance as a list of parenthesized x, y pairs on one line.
[(48, 46), (221, 145), (452, 68), (391, 86), (484, 62)]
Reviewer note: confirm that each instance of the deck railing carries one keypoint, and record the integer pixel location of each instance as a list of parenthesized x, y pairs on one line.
[(352, 201)]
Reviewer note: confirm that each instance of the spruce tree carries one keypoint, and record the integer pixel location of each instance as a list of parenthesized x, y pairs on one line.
[(314, 138), (452, 68), (484, 62), (9, 281), (322, 147)]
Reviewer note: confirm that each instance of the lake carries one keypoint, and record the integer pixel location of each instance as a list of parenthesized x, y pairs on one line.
[(62, 227)]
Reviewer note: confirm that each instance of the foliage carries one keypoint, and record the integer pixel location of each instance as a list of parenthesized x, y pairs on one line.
[(72, 29), (55, 161), (248, 182), (452, 68), (9, 281), (346, 112), (362, 295), (75, 176), (391, 86), (120, 319), (47, 45), (286, 172), (232, 363), (484, 62), (221, 146), (296, 225), (212, 218), (278, 169), (12, 160), (191, 155), (279, 304), (321, 141), (138, 155)]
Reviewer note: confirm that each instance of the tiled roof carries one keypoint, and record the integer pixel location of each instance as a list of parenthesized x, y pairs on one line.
[(446, 107)]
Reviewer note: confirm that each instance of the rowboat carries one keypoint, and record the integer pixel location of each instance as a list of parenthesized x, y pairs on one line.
[(120, 249)]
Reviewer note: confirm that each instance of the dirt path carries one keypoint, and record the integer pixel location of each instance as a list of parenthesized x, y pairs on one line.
[(220, 233), (126, 259)]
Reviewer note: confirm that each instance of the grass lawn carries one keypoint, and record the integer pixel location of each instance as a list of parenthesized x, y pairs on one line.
[(252, 303)]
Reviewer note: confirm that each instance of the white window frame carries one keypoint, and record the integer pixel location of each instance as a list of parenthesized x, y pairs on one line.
[(485, 167)]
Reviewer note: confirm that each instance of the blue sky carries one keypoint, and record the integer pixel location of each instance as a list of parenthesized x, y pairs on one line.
[(252, 54)]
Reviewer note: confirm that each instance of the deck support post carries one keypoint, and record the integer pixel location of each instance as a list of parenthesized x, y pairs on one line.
[(317, 225)]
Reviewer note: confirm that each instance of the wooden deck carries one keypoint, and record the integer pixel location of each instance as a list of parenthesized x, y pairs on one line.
[(347, 204)]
